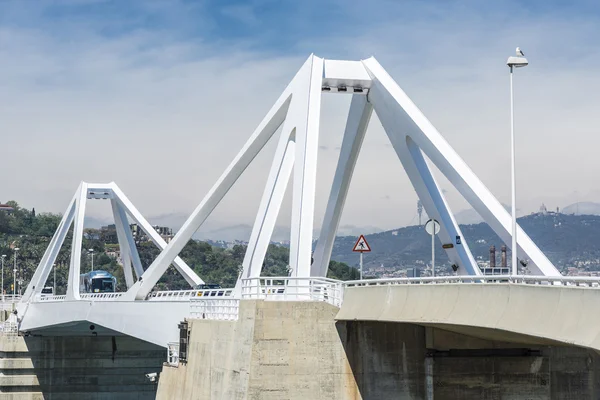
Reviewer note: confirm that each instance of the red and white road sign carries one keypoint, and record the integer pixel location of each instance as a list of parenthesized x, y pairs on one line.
[(361, 245)]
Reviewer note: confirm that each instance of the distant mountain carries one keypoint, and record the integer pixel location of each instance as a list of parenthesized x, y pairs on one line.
[(470, 216), (582, 208), (564, 239)]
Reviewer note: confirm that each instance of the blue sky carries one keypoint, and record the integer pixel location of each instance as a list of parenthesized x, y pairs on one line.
[(160, 95)]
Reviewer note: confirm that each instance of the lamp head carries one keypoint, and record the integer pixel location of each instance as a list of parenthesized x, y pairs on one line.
[(517, 62)]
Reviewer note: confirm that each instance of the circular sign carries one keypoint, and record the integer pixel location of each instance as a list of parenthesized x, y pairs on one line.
[(432, 227)]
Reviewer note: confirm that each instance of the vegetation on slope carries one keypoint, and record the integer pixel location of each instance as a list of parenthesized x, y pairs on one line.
[(31, 233)]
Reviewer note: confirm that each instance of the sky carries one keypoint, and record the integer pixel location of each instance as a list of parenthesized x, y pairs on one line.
[(159, 96)]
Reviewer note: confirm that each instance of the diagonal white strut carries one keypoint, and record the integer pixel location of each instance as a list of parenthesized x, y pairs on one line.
[(75, 265), (44, 268), (356, 127), (389, 99), (270, 204), (126, 251), (188, 274), (255, 143)]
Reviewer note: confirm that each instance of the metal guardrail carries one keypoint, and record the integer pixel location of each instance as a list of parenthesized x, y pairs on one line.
[(185, 295), (292, 289), (9, 298), (9, 328), (215, 309), (173, 354), (101, 296), (51, 298), (580, 281), (166, 295)]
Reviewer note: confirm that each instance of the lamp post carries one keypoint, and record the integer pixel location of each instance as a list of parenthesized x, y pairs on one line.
[(513, 62), (92, 253), (15, 274), (54, 290), (3, 257)]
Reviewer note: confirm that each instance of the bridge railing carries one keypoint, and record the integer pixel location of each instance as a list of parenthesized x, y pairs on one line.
[(101, 296), (51, 297), (173, 354), (9, 298), (215, 308), (581, 281), (291, 289), (186, 295)]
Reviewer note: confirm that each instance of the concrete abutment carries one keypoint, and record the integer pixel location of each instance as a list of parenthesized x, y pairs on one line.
[(297, 350)]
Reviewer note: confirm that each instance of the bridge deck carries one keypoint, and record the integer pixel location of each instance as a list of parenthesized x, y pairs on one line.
[(497, 311)]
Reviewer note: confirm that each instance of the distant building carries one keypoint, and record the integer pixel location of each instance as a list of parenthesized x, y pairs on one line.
[(140, 236), (413, 273), (6, 207), (108, 234)]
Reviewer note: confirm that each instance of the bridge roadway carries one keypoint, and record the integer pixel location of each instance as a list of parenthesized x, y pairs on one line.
[(533, 310), (154, 320), (530, 310)]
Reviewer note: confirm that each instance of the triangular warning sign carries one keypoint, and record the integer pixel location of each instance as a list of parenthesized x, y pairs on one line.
[(361, 245)]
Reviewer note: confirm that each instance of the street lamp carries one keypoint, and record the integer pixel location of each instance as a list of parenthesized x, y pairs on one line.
[(15, 274), (517, 61), (92, 253), (54, 268), (3, 257)]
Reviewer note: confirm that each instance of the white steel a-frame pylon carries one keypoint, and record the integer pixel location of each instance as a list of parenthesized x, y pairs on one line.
[(412, 136), (74, 215)]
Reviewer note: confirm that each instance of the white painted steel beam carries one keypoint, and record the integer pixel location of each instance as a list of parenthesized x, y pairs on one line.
[(356, 126), (75, 265), (121, 225), (44, 268), (270, 204), (188, 274), (306, 112)]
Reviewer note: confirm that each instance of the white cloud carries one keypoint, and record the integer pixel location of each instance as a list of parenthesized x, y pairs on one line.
[(162, 114)]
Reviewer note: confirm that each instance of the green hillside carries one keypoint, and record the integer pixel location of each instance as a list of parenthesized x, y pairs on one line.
[(567, 240), (31, 233)]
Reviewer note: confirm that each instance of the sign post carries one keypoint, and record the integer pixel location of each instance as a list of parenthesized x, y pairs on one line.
[(433, 228), (361, 246)]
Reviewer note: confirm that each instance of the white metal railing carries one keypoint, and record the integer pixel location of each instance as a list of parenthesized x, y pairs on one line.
[(102, 296), (45, 297), (10, 328), (217, 309), (173, 354), (185, 295), (581, 281), (291, 289), (9, 298)]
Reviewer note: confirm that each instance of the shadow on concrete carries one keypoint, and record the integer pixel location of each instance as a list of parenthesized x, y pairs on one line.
[(85, 367)]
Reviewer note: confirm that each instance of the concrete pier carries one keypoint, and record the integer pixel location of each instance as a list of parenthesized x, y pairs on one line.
[(297, 350), (79, 368)]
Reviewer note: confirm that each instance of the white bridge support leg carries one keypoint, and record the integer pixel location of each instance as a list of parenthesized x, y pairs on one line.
[(433, 200), (305, 114), (75, 265), (44, 268), (121, 226), (188, 274), (270, 204), (356, 126), (388, 98)]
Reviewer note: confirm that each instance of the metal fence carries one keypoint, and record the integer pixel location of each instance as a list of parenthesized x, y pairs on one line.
[(216, 309), (293, 289), (173, 354), (580, 281), (185, 295)]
